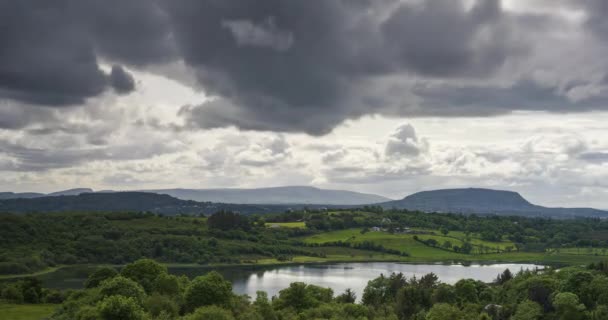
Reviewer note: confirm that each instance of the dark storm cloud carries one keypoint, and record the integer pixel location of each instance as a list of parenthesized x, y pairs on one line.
[(597, 10), (488, 100), (121, 80), (442, 37), (302, 66), (50, 50), (298, 65)]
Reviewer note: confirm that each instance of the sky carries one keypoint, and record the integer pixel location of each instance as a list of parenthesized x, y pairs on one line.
[(382, 96)]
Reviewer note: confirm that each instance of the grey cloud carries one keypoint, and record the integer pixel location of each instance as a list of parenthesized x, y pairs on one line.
[(405, 142), (444, 38), (292, 66), (337, 47), (25, 158), (596, 16), (121, 80), (487, 100), (50, 50), (597, 157), (266, 34)]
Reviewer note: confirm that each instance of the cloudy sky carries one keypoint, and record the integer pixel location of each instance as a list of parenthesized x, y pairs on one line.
[(381, 96)]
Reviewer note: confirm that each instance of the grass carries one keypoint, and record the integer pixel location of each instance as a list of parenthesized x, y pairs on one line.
[(423, 253), (34, 274), (401, 242), (26, 311), (301, 225), (581, 251)]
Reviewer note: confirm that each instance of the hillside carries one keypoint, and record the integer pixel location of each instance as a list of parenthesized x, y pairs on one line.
[(26, 195), (276, 195), (484, 201), (123, 202), (29, 195)]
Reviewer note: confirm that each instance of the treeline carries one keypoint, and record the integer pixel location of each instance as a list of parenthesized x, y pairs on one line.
[(528, 234), (144, 290), (363, 245), (33, 242)]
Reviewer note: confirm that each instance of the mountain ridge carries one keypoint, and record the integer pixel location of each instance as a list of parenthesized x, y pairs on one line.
[(126, 202), (284, 195), (274, 195), (484, 201)]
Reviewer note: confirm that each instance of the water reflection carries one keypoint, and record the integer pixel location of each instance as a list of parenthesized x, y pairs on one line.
[(339, 277)]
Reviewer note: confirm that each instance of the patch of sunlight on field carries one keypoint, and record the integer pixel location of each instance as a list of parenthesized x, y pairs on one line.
[(26, 311), (301, 225)]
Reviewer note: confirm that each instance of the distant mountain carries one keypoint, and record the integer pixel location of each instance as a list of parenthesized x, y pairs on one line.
[(70, 192), (484, 201), (129, 202), (277, 195), (13, 195), (30, 195)]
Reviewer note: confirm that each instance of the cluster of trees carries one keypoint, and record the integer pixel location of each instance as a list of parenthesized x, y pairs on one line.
[(144, 290), (529, 234), (37, 241), (363, 245), (34, 242), (29, 290)]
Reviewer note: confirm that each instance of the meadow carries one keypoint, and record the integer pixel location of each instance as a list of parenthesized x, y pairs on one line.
[(419, 252), (9, 311)]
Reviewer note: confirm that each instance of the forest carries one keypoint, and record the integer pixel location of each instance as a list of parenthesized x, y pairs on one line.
[(35, 242), (145, 290)]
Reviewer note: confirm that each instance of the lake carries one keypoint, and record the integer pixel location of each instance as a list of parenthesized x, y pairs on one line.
[(338, 276)]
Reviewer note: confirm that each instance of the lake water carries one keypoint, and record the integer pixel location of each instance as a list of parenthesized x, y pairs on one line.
[(338, 276), (355, 276)]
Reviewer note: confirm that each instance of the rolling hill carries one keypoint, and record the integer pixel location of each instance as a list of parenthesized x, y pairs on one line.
[(277, 195), (484, 201), (291, 195), (126, 202)]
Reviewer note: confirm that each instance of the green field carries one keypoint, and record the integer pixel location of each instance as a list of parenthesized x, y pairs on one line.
[(26, 311), (300, 224), (420, 252), (581, 251)]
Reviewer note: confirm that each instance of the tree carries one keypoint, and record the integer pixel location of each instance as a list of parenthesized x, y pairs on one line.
[(466, 247), (447, 245), (411, 299), (207, 290), (167, 284), (228, 220), (466, 291), (600, 313), (432, 242), (263, 307), (444, 293), (444, 231), (158, 304), (504, 277), (297, 296), (377, 292), (211, 313), (144, 272), (568, 307), (120, 308), (124, 287), (442, 311), (99, 276), (528, 310), (348, 296)]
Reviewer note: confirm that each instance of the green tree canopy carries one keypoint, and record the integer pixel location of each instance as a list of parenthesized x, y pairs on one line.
[(144, 272), (207, 290)]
